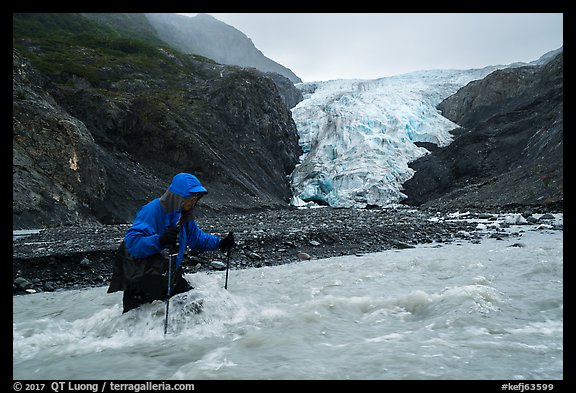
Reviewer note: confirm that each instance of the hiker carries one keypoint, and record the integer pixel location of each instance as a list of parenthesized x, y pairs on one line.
[(141, 265)]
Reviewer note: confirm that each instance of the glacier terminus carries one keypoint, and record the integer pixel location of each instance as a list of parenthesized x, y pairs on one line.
[(358, 136)]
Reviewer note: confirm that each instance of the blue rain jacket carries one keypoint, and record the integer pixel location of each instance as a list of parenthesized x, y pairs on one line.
[(143, 238)]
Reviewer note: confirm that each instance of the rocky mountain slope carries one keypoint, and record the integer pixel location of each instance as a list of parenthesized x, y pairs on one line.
[(509, 151), (102, 120), (209, 37), (104, 114), (204, 36)]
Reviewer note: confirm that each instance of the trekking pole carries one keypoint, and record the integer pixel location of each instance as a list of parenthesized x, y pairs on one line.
[(169, 288), (168, 293), (227, 266)]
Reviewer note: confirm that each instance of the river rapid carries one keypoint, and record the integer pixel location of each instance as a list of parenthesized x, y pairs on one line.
[(483, 311)]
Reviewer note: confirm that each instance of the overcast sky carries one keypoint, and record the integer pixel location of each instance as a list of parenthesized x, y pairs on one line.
[(319, 47)]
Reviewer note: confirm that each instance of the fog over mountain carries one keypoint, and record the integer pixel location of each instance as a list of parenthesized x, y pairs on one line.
[(209, 37)]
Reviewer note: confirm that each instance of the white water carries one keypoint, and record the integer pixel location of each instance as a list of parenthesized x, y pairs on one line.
[(492, 310)]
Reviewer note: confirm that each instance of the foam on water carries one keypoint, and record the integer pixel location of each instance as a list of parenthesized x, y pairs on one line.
[(460, 311)]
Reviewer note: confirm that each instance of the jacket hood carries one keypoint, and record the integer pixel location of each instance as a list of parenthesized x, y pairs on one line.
[(185, 184)]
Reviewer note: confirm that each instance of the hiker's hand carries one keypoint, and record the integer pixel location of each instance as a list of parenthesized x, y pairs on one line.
[(227, 243), (169, 237)]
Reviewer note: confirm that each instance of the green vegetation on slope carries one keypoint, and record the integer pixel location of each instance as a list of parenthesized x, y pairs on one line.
[(74, 44)]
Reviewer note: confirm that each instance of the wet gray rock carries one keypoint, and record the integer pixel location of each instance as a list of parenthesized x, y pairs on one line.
[(218, 265)]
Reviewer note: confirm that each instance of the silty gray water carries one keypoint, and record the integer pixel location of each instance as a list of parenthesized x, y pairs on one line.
[(492, 310)]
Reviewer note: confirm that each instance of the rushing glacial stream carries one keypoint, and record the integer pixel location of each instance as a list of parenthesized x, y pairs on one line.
[(492, 310)]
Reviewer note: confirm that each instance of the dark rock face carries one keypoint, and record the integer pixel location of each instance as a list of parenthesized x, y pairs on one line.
[(288, 92), (105, 114), (509, 151), (95, 150), (57, 173)]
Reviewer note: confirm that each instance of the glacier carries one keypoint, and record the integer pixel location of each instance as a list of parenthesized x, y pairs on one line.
[(358, 136)]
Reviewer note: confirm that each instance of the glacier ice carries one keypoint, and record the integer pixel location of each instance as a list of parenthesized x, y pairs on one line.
[(358, 136)]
